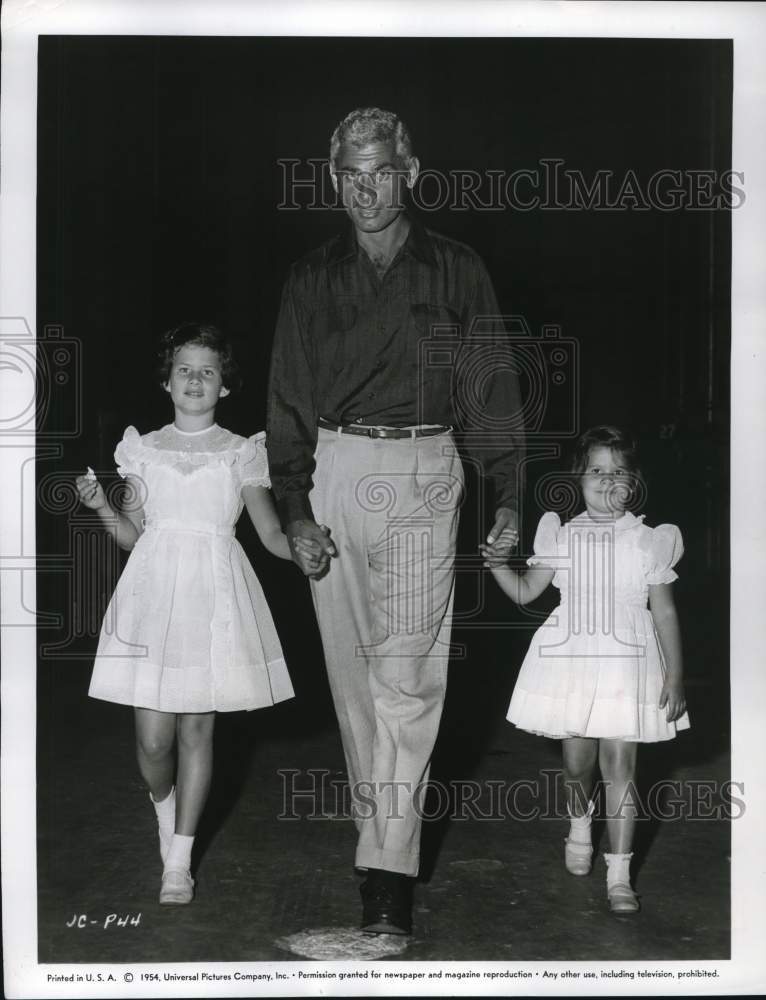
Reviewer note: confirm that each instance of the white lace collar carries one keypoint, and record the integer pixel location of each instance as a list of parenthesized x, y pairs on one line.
[(623, 523), (209, 440)]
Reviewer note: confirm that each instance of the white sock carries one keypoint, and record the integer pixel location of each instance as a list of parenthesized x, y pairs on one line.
[(617, 868), (179, 855), (579, 826), (166, 820)]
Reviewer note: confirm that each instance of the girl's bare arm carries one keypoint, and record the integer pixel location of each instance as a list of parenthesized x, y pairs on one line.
[(263, 514), (663, 607), (125, 527), (520, 587)]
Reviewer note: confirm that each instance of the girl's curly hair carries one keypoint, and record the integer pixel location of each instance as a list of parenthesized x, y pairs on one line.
[(201, 335)]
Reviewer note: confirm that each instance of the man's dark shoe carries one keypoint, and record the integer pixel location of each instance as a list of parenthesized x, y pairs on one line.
[(386, 902)]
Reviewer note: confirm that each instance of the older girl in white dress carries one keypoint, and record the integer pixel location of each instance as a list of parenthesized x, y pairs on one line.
[(188, 632), (604, 672)]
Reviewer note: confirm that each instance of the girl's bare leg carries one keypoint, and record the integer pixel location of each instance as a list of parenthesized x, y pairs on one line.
[(155, 737), (579, 754), (195, 768), (617, 760)]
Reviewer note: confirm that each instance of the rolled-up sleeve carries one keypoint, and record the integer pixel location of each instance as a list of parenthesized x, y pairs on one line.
[(292, 418)]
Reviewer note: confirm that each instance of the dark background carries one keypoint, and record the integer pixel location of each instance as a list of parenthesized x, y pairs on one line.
[(158, 187)]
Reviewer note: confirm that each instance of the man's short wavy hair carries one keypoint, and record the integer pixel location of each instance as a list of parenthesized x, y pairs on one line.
[(366, 125)]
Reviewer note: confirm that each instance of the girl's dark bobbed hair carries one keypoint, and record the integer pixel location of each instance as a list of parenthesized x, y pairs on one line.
[(199, 335), (619, 440), (605, 436)]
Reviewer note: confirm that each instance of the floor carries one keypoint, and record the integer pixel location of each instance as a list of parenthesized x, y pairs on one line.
[(492, 886)]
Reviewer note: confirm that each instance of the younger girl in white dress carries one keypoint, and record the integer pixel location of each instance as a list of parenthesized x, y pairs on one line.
[(188, 632), (604, 672)]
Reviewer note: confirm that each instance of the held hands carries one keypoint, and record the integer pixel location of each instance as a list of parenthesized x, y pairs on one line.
[(672, 696), (502, 539), (311, 546), (308, 555), (495, 556), (90, 490)]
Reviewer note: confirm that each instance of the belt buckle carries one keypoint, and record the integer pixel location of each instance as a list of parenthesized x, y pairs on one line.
[(359, 427)]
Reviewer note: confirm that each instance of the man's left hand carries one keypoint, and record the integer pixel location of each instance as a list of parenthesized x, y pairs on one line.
[(504, 535)]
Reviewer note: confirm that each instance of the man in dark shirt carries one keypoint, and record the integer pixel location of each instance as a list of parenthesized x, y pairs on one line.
[(388, 336)]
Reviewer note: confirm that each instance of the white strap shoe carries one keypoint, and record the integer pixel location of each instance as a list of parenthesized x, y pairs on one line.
[(177, 887), (621, 897), (578, 858)]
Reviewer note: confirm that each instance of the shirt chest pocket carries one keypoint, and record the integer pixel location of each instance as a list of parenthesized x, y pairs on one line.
[(437, 319), (435, 328)]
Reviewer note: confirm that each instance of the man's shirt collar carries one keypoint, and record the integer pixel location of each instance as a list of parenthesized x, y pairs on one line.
[(418, 243)]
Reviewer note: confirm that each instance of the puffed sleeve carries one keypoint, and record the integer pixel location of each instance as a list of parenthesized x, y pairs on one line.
[(127, 454), (546, 537), (254, 465), (665, 547)]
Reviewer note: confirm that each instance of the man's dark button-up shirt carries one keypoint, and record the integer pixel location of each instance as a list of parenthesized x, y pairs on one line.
[(422, 345)]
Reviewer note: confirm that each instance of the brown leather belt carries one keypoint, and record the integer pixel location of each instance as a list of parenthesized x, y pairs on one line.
[(392, 433)]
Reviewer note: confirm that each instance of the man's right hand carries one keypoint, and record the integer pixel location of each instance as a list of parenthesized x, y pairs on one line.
[(312, 536)]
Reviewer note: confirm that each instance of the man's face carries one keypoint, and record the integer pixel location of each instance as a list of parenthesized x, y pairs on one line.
[(372, 180)]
